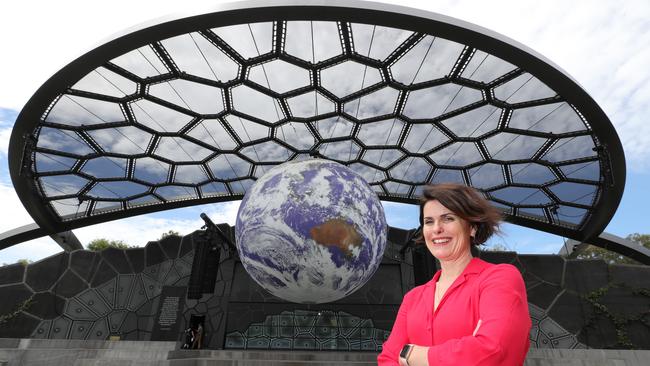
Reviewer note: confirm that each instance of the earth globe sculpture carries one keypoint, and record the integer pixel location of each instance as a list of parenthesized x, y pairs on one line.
[(311, 231)]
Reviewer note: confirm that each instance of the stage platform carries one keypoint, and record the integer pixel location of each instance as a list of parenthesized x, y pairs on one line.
[(37, 352)]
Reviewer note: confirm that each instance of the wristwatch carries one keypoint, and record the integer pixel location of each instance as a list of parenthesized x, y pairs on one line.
[(404, 354)]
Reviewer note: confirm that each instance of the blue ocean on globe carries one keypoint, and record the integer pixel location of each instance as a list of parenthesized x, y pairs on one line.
[(311, 231)]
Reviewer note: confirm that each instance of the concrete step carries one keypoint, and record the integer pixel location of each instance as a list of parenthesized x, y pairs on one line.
[(69, 356), (274, 355), (25, 343), (207, 362), (269, 358), (109, 362), (42, 352), (216, 362), (37, 352)]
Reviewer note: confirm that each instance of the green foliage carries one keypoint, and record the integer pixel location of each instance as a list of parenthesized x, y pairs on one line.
[(169, 233), (23, 306), (593, 252), (101, 244), (620, 321), (498, 247), (23, 261)]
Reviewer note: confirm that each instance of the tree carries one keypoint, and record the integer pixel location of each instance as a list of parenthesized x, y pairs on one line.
[(594, 252), (169, 233), (24, 262), (101, 244), (497, 247)]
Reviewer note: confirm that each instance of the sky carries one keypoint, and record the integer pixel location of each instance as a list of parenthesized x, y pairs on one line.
[(602, 44)]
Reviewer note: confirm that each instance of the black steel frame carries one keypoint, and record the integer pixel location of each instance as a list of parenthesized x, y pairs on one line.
[(610, 153)]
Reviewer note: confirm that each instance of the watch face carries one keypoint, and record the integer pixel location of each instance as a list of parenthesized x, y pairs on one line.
[(405, 351)]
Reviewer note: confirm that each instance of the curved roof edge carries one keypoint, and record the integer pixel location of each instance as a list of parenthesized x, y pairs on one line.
[(611, 148)]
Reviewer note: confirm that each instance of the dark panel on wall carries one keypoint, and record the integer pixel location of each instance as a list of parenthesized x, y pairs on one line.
[(187, 244), (44, 273), (69, 285), (46, 305), (585, 275), (136, 259), (154, 254), (632, 276), (20, 326), (600, 334), (12, 273), (84, 263), (170, 245), (17, 293), (117, 259), (572, 310), (547, 268), (104, 273)]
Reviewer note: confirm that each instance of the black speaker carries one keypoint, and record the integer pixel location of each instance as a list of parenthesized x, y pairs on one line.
[(205, 266)]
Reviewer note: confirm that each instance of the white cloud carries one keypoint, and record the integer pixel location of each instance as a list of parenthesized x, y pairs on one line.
[(141, 229), (5, 134), (135, 231), (17, 215), (64, 30), (32, 250)]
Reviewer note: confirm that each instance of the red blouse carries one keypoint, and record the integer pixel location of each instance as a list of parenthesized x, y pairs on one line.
[(495, 294)]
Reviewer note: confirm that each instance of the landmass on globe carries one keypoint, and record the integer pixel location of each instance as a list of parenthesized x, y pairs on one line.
[(338, 233)]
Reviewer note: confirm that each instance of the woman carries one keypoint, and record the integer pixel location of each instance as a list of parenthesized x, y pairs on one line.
[(471, 312)]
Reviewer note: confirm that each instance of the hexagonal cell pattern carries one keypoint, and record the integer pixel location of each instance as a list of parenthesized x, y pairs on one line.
[(248, 40), (324, 36), (74, 110), (197, 56), (279, 76), (195, 97), (349, 77), (266, 152), (381, 133), (310, 104), (207, 112), (377, 103), (128, 140), (457, 154), (436, 101), (430, 59)]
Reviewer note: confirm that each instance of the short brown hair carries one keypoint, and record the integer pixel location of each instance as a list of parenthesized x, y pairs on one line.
[(465, 202)]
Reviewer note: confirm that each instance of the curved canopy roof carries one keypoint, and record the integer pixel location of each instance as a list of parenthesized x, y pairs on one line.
[(193, 110)]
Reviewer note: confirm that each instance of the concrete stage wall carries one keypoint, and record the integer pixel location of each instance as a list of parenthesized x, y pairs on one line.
[(140, 295)]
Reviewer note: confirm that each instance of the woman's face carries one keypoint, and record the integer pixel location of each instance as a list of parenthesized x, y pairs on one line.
[(448, 237)]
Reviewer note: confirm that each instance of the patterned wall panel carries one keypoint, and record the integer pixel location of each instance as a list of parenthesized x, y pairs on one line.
[(310, 330)]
